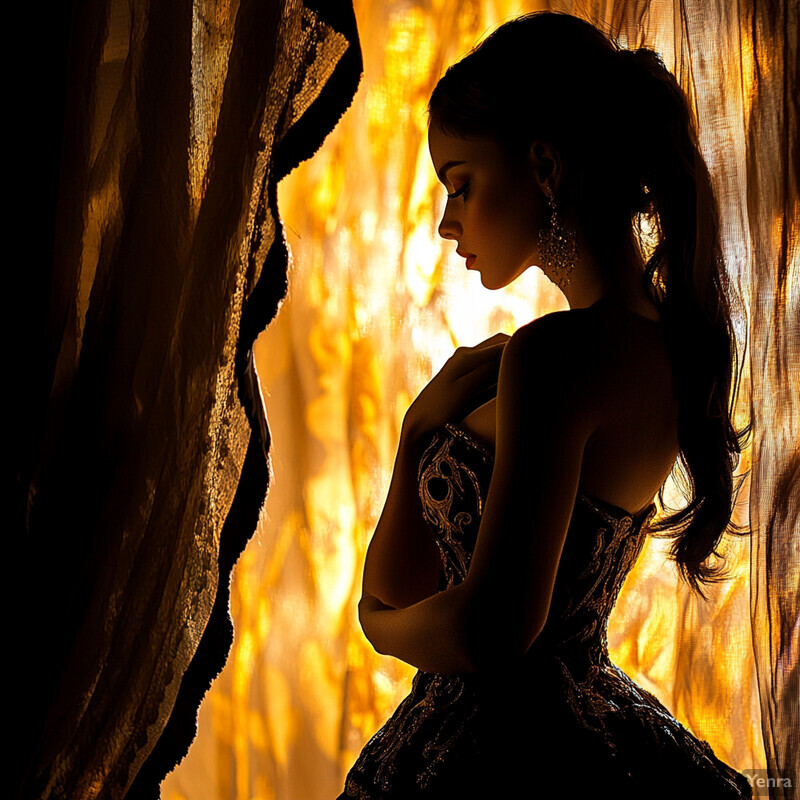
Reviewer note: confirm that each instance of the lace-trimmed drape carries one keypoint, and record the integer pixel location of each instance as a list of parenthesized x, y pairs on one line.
[(146, 456)]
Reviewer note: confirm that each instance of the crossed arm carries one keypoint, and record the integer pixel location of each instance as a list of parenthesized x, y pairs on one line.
[(496, 613)]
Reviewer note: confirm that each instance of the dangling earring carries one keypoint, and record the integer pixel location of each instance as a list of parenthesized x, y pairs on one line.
[(558, 246)]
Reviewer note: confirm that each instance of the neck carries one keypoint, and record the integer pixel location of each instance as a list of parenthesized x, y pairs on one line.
[(616, 276)]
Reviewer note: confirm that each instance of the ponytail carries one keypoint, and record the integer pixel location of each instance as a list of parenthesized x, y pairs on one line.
[(686, 276)]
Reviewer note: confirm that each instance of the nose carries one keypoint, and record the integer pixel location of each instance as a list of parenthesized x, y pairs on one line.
[(449, 227)]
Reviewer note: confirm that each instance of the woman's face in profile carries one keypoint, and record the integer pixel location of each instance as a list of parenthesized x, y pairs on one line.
[(495, 207)]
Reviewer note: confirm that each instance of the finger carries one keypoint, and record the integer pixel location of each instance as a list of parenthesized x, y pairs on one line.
[(482, 352), (479, 377), (500, 340), (465, 360), (481, 396), (492, 340)]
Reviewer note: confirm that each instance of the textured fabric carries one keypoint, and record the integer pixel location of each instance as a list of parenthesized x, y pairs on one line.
[(592, 729), (146, 465)]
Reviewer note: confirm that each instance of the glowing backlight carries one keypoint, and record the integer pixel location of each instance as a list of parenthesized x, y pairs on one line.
[(377, 303)]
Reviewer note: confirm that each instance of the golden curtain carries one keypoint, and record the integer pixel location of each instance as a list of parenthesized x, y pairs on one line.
[(145, 462), (377, 302)]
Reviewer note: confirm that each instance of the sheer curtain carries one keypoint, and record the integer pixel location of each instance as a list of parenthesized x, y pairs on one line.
[(144, 463), (740, 63)]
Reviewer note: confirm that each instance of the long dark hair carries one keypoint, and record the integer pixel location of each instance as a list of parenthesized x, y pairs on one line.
[(628, 142)]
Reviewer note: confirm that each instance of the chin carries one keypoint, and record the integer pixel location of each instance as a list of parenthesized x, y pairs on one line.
[(493, 285), (495, 282)]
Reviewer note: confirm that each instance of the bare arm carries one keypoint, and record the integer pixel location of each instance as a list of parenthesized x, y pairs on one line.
[(502, 605), (403, 563)]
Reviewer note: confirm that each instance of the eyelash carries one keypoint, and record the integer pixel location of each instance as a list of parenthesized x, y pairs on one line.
[(462, 192)]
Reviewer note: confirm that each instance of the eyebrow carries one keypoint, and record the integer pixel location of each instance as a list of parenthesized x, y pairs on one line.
[(442, 173)]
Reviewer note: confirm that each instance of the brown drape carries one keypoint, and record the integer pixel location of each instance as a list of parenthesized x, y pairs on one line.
[(143, 462)]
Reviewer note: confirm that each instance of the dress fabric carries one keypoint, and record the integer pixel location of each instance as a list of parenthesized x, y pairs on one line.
[(562, 721)]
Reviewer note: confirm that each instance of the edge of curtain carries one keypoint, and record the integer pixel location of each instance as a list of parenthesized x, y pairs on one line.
[(300, 142)]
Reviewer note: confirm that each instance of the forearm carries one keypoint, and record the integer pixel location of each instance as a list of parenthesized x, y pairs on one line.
[(430, 635), (459, 630), (402, 564)]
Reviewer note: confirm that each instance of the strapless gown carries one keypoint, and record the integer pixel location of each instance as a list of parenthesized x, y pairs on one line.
[(561, 722)]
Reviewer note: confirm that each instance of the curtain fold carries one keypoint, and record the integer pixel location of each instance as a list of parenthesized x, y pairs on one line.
[(146, 461), (773, 205)]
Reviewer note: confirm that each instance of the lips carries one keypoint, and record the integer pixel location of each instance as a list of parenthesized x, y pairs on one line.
[(469, 256)]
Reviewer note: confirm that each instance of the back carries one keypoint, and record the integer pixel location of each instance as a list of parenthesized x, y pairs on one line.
[(634, 445), (634, 448)]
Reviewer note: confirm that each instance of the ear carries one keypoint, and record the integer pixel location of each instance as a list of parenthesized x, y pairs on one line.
[(545, 161)]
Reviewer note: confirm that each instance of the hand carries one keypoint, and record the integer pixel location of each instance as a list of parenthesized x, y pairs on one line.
[(466, 381)]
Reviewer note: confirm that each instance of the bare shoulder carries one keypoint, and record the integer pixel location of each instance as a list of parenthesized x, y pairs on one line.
[(551, 370), (600, 332), (588, 358), (560, 330), (562, 346), (595, 383)]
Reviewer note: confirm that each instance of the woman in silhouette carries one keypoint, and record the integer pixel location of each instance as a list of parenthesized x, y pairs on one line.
[(511, 523)]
